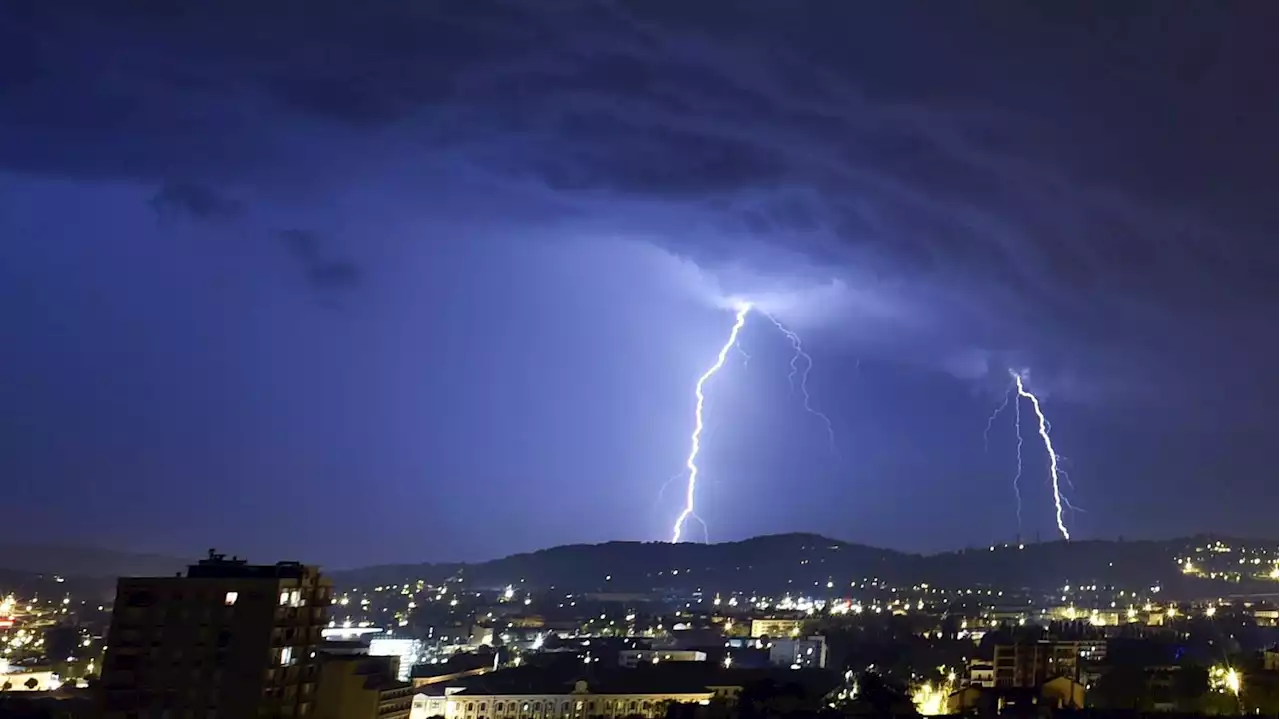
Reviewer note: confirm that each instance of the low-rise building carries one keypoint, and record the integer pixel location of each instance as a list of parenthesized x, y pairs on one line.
[(1057, 693), (546, 702), (597, 690), (361, 687)]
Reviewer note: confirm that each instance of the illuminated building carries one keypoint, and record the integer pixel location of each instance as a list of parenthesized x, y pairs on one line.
[(582, 701), (406, 651), (776, 627), (228, 639)]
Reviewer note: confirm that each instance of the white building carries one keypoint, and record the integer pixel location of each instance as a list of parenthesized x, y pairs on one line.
[(580, 703), (807, 653)]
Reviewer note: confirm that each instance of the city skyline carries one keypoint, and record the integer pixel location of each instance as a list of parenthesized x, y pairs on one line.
[(446, 295)]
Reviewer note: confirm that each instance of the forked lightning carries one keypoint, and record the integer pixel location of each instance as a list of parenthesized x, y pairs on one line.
[(1017, 424), (695, 440), (804, 378), (1018, 391), (1054, 472)]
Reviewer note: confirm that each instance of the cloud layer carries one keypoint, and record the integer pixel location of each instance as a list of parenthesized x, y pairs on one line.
[(886, 170)]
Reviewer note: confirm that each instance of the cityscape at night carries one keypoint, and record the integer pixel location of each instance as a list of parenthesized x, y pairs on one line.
[(638, 359)]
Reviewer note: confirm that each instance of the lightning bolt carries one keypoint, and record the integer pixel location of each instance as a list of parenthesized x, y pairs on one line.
[(695, 440), (1017, 491), (804, 378), (1017, 423), (1048, 446), (986, 444)]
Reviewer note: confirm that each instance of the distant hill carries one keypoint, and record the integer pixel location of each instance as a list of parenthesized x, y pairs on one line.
[(85, 561), (773, 564), (802, 562)]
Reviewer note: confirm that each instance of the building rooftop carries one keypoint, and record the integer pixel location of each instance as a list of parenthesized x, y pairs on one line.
[(670, 678), (217, 566)]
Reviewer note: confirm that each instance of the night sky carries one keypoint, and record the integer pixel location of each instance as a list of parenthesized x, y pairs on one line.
[(402, 281)]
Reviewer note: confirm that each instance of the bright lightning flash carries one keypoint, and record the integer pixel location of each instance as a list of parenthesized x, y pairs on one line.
[(804, 377), (1048, 445), (691, 463)]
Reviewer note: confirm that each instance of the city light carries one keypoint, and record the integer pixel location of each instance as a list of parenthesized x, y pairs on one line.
[(931, 700), (1225, 679)]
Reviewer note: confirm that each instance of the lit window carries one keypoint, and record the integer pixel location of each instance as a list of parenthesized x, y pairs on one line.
[(284, 598), (230, 598), (286, 656)]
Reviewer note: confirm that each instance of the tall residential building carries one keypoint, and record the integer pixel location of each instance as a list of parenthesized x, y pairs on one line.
[(229, 640)]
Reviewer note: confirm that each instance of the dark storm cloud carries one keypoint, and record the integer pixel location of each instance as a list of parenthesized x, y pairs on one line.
[(322, 270), (1077, 205)]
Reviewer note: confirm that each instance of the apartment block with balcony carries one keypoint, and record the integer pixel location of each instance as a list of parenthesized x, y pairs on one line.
[(1029, 664), (228, 639)]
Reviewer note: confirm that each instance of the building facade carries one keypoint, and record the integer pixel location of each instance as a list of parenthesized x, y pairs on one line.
[(775, 628), (406, 651), (636, 657), (229, 640), (579, 703), (361, 687), (806, 653), (1032, 663), (982, 673)]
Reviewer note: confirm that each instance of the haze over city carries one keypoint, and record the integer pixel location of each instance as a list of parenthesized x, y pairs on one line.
[(399, 282)]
